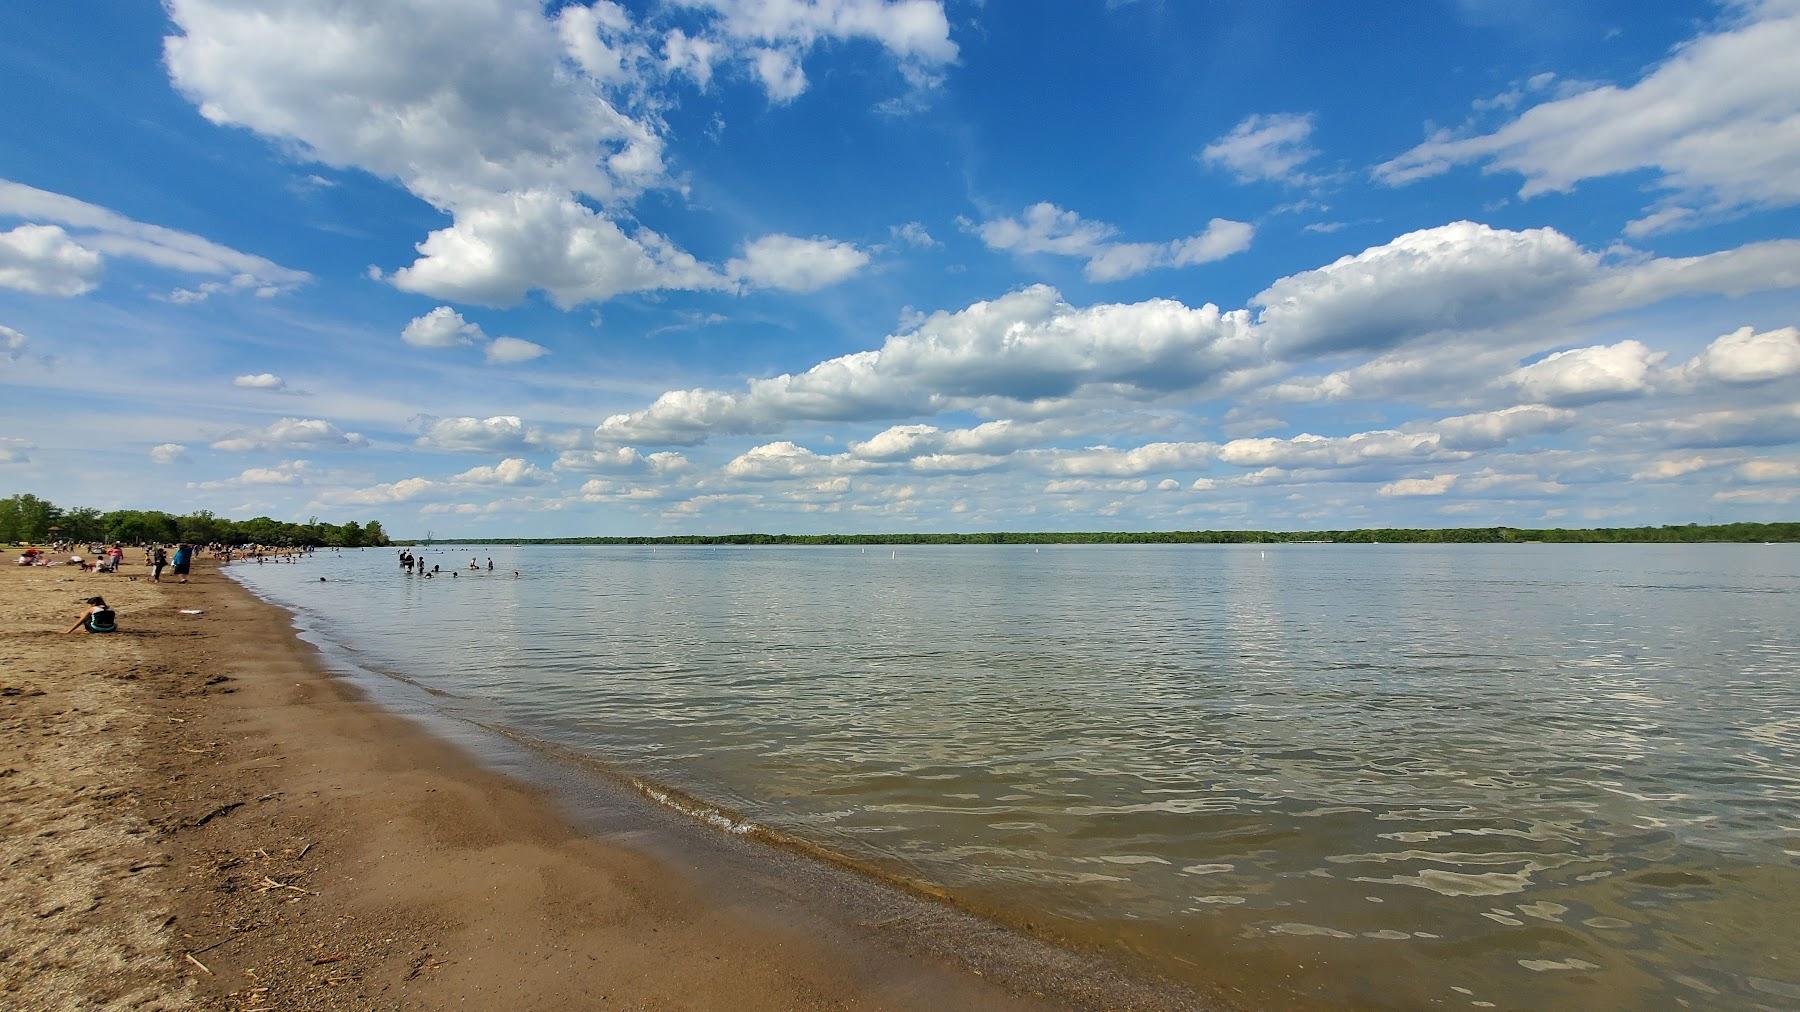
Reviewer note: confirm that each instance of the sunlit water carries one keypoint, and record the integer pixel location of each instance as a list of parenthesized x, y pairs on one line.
[(1531, 776)]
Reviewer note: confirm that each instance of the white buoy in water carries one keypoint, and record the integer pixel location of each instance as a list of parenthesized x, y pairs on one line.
[(896, 554)]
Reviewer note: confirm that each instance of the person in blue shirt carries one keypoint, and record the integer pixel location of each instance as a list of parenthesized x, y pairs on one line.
[(184, 560)]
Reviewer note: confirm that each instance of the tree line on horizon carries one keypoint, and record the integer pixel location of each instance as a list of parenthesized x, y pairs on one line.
[(28, 518), (1669, 534)]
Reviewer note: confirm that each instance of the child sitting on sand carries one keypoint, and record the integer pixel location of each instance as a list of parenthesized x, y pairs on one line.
[(99, 618)]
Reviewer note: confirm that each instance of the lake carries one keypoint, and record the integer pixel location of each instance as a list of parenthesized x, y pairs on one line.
[(1377, 775)]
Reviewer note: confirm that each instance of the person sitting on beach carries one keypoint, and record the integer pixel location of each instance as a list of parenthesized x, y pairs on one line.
[(99, 618)]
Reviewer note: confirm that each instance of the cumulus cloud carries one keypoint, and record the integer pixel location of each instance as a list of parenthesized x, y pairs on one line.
[(773, 36), (288, 472), (772, 461), (443, 327), (513, 350), (12, 344), (498, 248), (1309, 450), (15, 451), (291, 432), (796, 265), (1775, 425), (168, 453), (1435, 485), (1487, 429), (1031, 348), (498, 432), (1717, 121), (43, 260), (99, 232), (1046, 228), (1025, 345), (621, 460), (509, 120), (1585, 375), (1269, 146), (260, 381), (1105, 461), (1466, 278), (1744, 356), (511, 471)]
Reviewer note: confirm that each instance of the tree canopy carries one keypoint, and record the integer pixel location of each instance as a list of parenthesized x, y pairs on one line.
[(28, 518)]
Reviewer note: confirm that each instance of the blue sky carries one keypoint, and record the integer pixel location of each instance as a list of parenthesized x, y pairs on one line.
[(494, 267)]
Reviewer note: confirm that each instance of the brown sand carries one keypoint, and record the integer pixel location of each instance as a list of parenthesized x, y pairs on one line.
[(194, 813)]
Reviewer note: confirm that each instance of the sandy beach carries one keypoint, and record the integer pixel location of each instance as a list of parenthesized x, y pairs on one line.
[(194, 813)]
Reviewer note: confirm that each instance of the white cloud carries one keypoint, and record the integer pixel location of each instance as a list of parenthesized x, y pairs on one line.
[(1265, 147), (43, 260), (1462, 276), (1669, 468), (12, 344), (1769, 470), (1466, 278), (443, 327), (15, 451), (773, 461), (499, 248), (456, 103), (1773, 425), (101, 232), (386, 493), (291, 432), (512, 350), (780, 73), (773, 36), (1759, 496), (1029, 349), (511, 471), (796, 265), (1104, 461), (1083, 486), (499, 432), (1487, 429), (621, 460), (1718, 120), (1309, 450), (1028, 345), (260, 381), (914, 234), (168, 453), (1744, 356), (288, 472), (1046, 228), (1435, 485), (1585, 375)]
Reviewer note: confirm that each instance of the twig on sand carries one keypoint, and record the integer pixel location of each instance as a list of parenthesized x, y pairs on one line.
[(302, 855), (190, 958), (268, 884), (324, 960), (215, 813)]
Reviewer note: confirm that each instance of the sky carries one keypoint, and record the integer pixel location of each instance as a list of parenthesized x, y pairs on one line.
[(494, 267)]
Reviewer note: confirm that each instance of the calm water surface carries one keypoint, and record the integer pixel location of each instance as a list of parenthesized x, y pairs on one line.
[(1491, 776)]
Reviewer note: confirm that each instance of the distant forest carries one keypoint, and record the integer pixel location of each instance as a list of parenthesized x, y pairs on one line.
[(1686, 533), (30, 519)]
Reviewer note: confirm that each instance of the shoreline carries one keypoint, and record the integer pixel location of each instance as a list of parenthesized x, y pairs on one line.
[(285, 839)]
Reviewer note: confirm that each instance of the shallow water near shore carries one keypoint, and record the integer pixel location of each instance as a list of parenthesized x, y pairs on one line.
[(1523, 776)]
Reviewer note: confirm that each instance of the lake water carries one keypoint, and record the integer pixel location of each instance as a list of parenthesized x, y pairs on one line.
[(1344, 775)]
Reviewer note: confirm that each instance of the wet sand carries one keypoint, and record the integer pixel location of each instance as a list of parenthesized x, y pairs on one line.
[(196, 813)]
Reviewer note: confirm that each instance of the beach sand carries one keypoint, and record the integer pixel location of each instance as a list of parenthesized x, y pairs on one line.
[(195, 813)]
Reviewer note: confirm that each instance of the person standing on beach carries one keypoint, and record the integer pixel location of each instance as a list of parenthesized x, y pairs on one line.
[(184, 560), (158, 559)]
